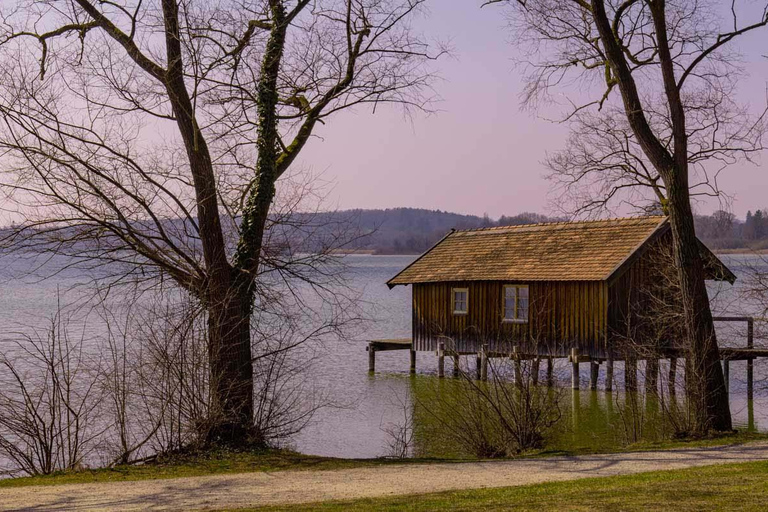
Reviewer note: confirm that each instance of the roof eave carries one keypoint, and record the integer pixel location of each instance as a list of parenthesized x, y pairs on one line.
[(391, 284)]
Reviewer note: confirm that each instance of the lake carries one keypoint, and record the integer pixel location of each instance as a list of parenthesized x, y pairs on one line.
[(365, 404)]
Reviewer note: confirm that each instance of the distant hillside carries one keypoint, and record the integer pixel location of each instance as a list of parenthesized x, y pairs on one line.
[(414, 230)]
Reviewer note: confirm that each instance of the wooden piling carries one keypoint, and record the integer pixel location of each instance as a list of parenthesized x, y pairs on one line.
[(651, 375), (535, 371), (750, 365), (413, 361), (441, 359), (672, 376), (594, 374), (630, 374), (518, 367), (574, 368), (550, 372), (371, 358), (484, 362), (478, 366), (609, 374), (727, 375), (455, 365)]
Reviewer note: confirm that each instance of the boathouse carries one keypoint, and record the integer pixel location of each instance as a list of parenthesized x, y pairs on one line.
[(547, 288)]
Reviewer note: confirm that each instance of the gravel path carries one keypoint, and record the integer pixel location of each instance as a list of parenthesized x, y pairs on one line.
[(253, 489)]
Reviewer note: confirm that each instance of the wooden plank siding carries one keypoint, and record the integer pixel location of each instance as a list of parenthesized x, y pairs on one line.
[(636, 293), (562, 315)]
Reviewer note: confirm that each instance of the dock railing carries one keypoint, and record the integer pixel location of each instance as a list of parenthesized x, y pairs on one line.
[(728, 354)]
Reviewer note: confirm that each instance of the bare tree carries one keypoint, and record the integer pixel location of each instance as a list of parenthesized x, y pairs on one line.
[(146, 139), (669, 62)]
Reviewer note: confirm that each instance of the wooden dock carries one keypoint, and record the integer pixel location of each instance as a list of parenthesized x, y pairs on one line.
[(389, 344), (748, 353)]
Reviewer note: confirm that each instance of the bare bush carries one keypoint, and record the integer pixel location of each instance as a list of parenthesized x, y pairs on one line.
[(49, 400), (401, 434), (499, 417)]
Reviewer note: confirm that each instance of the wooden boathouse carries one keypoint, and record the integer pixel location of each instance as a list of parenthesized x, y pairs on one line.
[(566, 289)]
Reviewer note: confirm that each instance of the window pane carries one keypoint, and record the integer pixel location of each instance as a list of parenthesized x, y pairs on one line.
[(509, 302), (460, 301), (522, 303)]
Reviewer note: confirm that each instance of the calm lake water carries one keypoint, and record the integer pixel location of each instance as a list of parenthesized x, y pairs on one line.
[(366, 404)]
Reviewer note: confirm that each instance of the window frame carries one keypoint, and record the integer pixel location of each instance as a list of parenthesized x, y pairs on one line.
[(466, 301), (516, 319)]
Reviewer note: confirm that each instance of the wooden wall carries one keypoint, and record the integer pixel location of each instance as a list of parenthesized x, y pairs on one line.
[(561, 315), (644, 303)]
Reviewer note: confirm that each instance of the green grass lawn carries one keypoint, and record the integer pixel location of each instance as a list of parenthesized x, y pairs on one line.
[(727, 487), (280, 460)]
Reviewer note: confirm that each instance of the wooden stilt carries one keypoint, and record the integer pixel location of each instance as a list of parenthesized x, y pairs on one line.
[(574, 368), (413, 361), (371, 358), (651, 375), (441, 359), (518, 367), (672, 376), (750, 364), (594, 374), (456, 365), (609, 374), (484, 362), (478, 366), (630, 374), (550, 372), (535, 371)]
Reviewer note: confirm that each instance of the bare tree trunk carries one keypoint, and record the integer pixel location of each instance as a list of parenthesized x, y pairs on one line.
[(705, 386), (227, 299), (706, 390), (229, 346)]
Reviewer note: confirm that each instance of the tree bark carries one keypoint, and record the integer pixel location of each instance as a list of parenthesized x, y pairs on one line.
[(231, 367), (705, 386)]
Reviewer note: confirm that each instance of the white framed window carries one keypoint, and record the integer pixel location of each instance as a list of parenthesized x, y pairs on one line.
[(460, 299), (516, 303)]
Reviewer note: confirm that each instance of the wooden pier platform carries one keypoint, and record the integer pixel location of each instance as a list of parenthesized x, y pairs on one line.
[(389, 344), (574, 357)]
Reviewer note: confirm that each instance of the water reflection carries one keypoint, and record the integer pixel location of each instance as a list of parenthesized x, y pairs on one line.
[(590, 421)]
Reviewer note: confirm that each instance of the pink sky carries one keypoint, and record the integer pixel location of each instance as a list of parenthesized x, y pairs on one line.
[(480, 153)]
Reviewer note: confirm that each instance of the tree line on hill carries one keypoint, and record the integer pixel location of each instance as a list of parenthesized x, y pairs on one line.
[(414, 230), (722, 230)]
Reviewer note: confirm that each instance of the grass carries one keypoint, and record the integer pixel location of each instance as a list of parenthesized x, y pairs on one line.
[(222, 462), (198, 464), (731, 487)]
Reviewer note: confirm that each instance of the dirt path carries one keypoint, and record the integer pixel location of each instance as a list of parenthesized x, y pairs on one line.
[(253, 489)]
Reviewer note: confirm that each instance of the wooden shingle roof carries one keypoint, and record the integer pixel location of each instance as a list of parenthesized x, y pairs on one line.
[(562, 251)]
